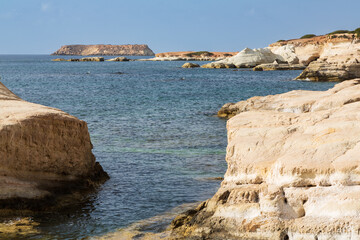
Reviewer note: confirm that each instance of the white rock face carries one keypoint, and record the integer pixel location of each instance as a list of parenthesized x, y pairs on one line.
[(253, 57), (286, 53), (293, 170)]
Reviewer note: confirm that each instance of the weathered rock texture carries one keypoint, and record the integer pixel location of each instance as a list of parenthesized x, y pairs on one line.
[(101, 49), (333, 57), (330, 57), (293, 170), (246, 58), (44, 153)]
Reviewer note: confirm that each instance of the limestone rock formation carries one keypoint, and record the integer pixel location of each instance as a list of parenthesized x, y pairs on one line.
[(190, 56), (44, 154), (247, 58), (190, 65), (101, 49), (275, 66), (293, 170), (337, 62)]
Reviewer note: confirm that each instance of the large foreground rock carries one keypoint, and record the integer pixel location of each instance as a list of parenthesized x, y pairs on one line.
[(293, 170), (45, 154)]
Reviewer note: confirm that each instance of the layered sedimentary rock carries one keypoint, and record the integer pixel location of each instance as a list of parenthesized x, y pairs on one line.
[(293, 170), (334, 57), (101, 49), (338, 61), (44, 154), (275, 66)]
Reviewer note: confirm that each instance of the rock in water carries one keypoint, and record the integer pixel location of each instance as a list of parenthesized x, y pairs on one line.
[(45, 154), (118, 59), (105, 50), (293, 170), (190, 65)]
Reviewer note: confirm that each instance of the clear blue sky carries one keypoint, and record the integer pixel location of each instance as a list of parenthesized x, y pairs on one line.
[(42, 26)]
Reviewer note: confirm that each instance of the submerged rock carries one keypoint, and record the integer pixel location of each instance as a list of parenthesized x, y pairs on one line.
[(190, 65), (45, 154), (293, 170)]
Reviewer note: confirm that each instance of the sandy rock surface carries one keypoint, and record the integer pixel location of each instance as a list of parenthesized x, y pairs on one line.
[(293, 170), (44, 152)]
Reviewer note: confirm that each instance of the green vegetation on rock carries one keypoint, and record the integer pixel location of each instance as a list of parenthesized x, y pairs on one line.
[(204, 53), (308, 36), (340, 31)]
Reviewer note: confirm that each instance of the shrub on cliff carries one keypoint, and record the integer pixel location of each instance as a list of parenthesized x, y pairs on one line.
[(340, 31), (357, 32), (201, 53), (308, 36)]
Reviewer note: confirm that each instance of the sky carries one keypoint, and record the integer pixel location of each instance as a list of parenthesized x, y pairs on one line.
[(43, 26)]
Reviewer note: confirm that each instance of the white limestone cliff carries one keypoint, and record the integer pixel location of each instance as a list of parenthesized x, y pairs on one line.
[(293, 170)]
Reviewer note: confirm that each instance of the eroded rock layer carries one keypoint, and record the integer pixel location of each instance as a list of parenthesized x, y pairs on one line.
[(102, 49), (44, 153), (293, 170)]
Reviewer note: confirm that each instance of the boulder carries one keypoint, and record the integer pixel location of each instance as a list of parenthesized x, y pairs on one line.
[(190, 65), (293, 170), (45, 155)]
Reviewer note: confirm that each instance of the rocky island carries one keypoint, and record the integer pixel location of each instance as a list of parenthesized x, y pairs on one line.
[(46, 160), (105, 50)]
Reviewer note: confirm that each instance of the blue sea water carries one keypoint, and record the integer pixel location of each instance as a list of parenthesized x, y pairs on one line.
[(154, 130)]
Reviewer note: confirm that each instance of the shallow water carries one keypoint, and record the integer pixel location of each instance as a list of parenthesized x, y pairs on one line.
[(153, 128)]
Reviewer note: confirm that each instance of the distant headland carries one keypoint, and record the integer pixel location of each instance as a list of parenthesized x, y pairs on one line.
[(102, 49)]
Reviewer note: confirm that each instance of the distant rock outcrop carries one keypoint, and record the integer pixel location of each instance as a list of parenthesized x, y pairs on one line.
[(293, 170), (190, 65), (191, 56), (247, 58), (332, 57), (45, 154), (105, 50)]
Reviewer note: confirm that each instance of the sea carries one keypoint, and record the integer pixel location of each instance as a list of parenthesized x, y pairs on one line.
[(154, 129)]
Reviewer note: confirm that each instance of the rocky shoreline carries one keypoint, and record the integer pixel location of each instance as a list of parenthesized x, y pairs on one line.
[(45, 157), (334, 57), (292, 170)]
